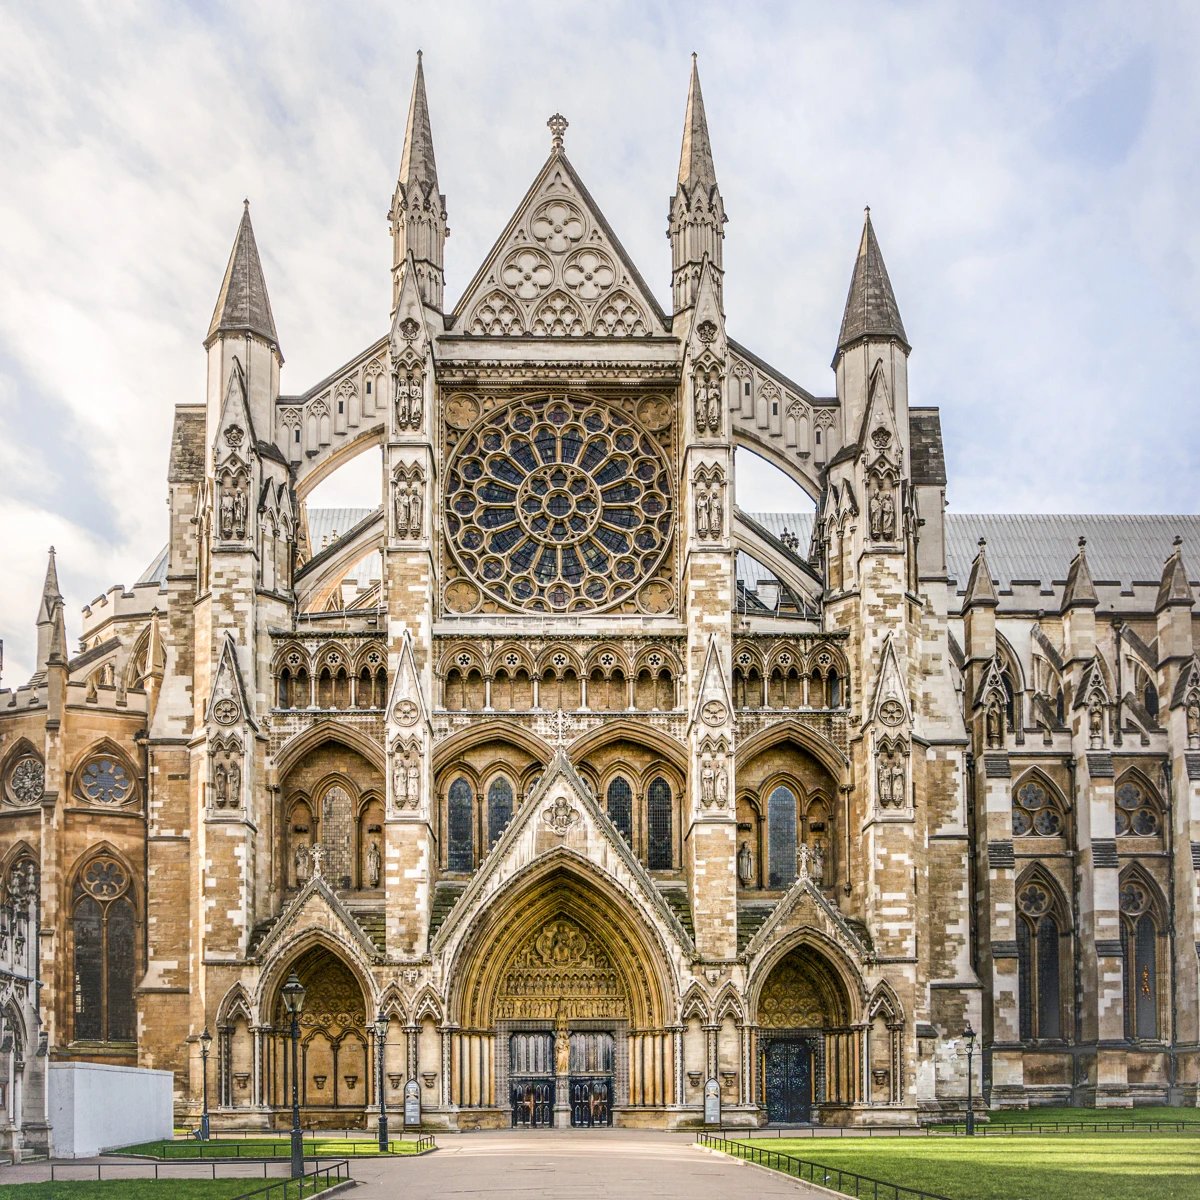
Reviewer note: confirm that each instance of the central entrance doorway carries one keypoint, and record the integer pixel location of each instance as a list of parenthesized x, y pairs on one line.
[(789, 1080), (533, 1084)]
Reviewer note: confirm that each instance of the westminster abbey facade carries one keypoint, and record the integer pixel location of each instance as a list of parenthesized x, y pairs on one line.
[(614, 803)]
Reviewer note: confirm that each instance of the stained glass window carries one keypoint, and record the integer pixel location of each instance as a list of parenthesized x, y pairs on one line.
[(1137, 814), (500, 809), (103, 780), (558, 504), (658, 821), (781, 838), (105, 936), (1035, 812), (1039, 963), (620, 807), (460, 852), (1140, 938)]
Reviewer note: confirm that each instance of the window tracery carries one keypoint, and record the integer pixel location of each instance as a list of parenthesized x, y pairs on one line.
[(1136, 810), (1039, 960), (1035, 811), (1140, 933), (104, 952), (103, 779), (558, 504)]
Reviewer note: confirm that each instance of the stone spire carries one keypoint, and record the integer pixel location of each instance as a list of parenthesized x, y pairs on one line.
[(981, 592), (243, 305), (1174, 588), (1080, 592), (418, 213), (49, 615), (871, 309), (697, 210)]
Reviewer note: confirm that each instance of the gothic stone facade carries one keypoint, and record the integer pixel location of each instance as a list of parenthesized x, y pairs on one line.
[(605, 794)]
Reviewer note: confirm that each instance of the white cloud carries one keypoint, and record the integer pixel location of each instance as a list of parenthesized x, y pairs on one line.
[(1028, 169)]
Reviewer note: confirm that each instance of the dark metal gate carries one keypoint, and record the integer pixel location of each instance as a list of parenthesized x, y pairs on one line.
[(789, 1081), (591, 1066), (531, 1080)]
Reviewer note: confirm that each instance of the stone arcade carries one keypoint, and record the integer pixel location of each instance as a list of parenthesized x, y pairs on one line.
[(610, 796)]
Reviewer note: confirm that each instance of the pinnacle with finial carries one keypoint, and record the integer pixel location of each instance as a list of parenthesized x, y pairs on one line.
[(417, 163), (557, 125), (695, 155)]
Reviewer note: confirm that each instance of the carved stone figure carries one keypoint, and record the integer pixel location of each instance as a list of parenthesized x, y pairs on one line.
[(409, 401), (702, 511), (994, 726), (745, 865), (562, 1051), (399, 782), (898, 790), (817, 869), (884, 782), (239, 512), (707, 783), (407, 503), (888, 517), (876, 515), (1096, 720), (714, 404), (722, 783), (303, 864), (414, 785), (318, 861), (374, 864), (235, 785), (402, 509), (227, 505), (1193, 722), (219, 787)]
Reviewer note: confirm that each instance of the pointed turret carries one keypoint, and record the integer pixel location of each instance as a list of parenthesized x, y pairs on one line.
[(697, 210), (243, 306), (871, 308), (1174, 588), (418, 213), (1080, 592), (49, 612), (981, 592)]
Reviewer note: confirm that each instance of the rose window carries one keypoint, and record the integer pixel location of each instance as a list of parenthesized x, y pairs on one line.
[(558, 504), (105, 781), (27, 781), (1136, 815)]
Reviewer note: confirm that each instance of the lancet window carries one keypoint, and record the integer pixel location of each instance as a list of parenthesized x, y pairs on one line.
[(460, 827), (1039, 952), (660, 836), (620, 807), (104, 952), (1141, 932), (500, 809), (781, 837)]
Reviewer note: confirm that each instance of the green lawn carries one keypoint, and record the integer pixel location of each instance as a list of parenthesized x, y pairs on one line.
[(266, 1147), (1030, 1167), (138, 1189), (1090, 1116)]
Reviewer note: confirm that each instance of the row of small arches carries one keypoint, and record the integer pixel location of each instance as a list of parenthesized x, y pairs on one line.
[(332, 688), (468, 689)]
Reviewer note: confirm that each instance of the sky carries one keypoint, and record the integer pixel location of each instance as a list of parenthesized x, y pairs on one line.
[(1031, 171)]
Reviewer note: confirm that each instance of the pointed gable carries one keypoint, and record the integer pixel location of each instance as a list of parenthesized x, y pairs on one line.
[(228, 704), (558, 270), (890, 703), (871, 308)]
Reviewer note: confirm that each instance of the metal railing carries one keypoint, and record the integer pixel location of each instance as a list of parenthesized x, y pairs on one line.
[(308, 1184), (838, 1178), (956, 1129), (195, 1151), (72, 1172)]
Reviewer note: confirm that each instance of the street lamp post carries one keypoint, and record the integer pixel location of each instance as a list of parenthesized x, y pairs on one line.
[(381, 1028), (969, 1038), (293, 1005), (205, 1043)]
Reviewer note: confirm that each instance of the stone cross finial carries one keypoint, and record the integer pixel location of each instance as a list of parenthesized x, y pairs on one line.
[(557, 126), (318, 857)]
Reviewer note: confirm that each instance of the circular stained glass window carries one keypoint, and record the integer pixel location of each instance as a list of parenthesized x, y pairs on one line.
[(558, 504), (105, 781)]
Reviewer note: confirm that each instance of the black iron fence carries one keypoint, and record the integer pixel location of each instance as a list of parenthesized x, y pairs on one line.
[(838, 1178), (185, 1151), (308, 1184), (71, 1172)]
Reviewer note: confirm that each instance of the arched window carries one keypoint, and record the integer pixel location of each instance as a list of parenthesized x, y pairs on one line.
[(500, 809), (658, 825), (1139, 935), (1040, 962), (103, 925), (1137, 812), (620, 807), (460, 851), (835, 690), (1035, 811), (781, 838)]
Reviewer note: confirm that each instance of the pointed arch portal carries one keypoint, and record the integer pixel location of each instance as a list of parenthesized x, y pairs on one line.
[(562, 993)]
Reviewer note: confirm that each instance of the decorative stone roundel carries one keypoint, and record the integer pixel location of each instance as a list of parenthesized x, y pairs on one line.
[(103, 780), (558, 504), (104, 878), (27, 781)]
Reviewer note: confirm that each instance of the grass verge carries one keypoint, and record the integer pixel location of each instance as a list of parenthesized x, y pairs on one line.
[(183, 1149), (137, 1189), (1022, 1117), (1030, 1167)]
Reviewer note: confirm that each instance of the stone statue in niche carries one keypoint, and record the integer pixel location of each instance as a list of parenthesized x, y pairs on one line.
[(232, 511), (745, 865), (399, 782), (702, 513), (562, 1050), (407, 504), (303, 864), (818, 861), (409, 401), (710, 509), (374, 864), (707, 392), (235, 785), (220, 786), (707, 783), (883, 515), (994, 726), (890, 779), (1096, 721), (406, 778), (1193, 722), (722, 783), (414, 785)]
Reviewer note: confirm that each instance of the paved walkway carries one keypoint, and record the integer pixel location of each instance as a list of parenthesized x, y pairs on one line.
[(595, 1165)]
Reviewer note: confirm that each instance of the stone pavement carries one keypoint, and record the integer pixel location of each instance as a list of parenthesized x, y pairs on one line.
[(593, 1165)]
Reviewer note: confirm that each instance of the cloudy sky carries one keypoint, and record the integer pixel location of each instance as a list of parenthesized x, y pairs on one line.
[(1031, 169)]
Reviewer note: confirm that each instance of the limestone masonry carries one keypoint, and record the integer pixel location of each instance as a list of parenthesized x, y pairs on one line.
[(617, 802)]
